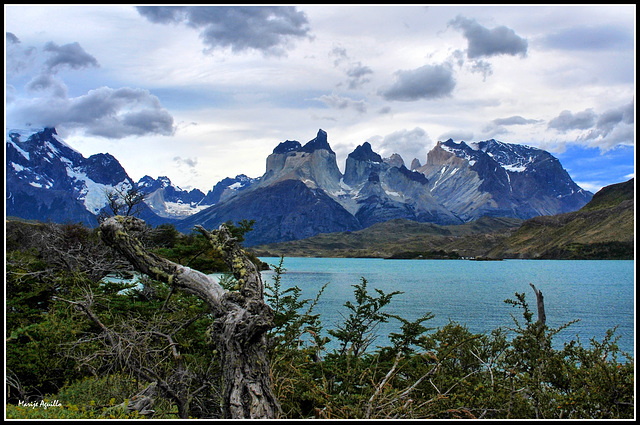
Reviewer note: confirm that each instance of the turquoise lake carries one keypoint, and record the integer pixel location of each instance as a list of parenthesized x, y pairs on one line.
[(601, 294)]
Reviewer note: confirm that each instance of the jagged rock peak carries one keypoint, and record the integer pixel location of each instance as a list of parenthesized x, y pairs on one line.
[(148, 181), (365, 153), (395, 160), (287, 146), (413, 175), (46, 133), (415, 164), (164, 180), (320, 142), (452, 144), (42, 140)]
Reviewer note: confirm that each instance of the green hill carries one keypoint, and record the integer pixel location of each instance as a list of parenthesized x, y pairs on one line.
[(611, 196), (602, 229), (401, 238)]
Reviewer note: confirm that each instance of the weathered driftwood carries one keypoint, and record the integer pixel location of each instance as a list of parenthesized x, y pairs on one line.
[(143, 401), (241, 319), (542, 317)]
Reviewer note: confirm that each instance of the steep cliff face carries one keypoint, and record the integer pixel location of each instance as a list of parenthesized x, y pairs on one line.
[(453, 181), (277, 161), (286, 210), (48, 180), (386, 189), (375, 203), (314, 164), (500, 180), (361, 163), (297, 196), (372, 190)]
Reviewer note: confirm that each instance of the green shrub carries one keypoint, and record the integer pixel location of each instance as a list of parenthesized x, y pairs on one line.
[(98, 391)]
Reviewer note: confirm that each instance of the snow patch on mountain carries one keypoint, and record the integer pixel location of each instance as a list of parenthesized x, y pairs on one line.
[(17, 167), (515, 168), (47, 179), (181, 209), (22, 151), (94, 195)]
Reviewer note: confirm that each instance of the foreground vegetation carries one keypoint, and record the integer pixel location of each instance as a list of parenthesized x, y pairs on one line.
[(58, 359)]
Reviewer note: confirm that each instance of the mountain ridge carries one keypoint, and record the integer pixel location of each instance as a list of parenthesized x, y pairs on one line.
[(602, 229), (459, 183)]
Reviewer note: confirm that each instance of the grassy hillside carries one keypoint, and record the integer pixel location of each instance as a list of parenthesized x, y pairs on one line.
[(602, 229), (398, 237), (611, 196)]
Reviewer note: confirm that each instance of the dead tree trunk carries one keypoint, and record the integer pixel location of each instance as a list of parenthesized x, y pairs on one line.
[(542, 317), (143, 401), (241, 319)]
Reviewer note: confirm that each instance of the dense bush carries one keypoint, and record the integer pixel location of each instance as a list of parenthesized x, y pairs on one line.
[(54, 353), (453, 373)]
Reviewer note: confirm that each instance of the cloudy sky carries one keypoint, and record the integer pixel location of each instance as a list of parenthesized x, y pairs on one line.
[(203, 93)]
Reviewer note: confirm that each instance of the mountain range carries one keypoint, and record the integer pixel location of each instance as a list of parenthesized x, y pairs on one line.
[(602, 229), (46, 179), (303, 192)]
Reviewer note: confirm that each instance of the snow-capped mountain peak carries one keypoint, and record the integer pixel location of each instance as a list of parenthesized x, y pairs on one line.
[(41, 167)]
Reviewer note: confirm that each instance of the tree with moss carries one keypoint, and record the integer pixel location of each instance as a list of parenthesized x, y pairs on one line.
[(241, 318)]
